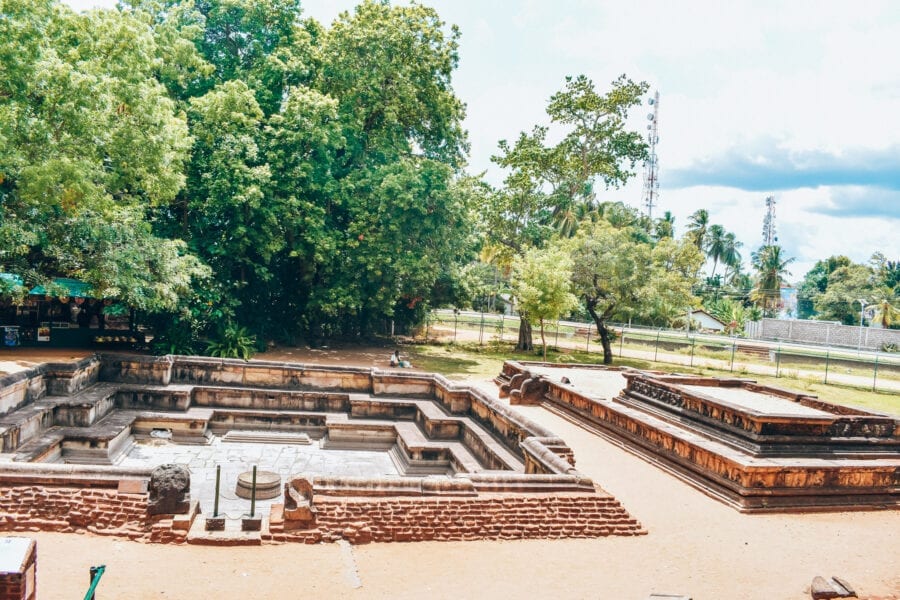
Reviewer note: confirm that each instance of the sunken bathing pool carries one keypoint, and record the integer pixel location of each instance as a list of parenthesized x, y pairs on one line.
[(129, 445), (755, 447)]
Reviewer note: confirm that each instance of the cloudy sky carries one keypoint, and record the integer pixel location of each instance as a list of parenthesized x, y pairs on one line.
[(793, 99)]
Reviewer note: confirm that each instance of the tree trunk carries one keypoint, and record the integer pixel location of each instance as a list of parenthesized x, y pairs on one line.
[(599, 321), (543, 341), (525, 343), (604, 340)]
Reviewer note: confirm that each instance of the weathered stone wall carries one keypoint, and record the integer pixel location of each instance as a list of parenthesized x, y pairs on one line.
[(68, 378), (822, 332), (200, 370), (18, 389), (128, 368), (486, 517)]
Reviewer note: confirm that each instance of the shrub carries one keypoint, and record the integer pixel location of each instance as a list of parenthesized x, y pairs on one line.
[(232, 342)]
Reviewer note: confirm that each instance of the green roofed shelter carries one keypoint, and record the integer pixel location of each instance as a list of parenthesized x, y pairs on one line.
[(64, 286), (10, 280)]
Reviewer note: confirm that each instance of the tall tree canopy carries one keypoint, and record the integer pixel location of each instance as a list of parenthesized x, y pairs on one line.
[(90, 142), (618, 274), (314, 171), (551, 188)]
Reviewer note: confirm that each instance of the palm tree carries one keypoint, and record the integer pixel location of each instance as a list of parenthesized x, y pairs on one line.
[(665, 226), (715, 246), (731, 256), (697, 226), (886, 314), (771, 269), (618, 214), (567, 218)]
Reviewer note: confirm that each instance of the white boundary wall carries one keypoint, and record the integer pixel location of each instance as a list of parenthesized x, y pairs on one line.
[(822, 332)]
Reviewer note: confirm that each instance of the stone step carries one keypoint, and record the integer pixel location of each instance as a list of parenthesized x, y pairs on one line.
[(267, 437), (231, 536)]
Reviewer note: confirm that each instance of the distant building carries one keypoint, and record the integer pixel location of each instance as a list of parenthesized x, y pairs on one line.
[(707, 321), (788, 304)]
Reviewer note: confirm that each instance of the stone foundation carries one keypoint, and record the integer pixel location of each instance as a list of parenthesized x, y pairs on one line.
[(793, 453), (501, 476)]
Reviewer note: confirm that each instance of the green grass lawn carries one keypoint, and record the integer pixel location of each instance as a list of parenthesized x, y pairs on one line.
[(473, 361)]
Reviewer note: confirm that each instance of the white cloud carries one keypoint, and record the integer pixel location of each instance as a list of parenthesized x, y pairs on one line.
[(755, 78)]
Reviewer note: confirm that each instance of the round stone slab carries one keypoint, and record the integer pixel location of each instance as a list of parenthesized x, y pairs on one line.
[(268, 485)]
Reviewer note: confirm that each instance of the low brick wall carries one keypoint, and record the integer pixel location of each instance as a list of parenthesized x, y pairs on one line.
[(66, 509), (486, 517)]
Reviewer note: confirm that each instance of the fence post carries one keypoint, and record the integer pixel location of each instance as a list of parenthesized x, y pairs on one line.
[(557, 335), (502, 319), (481, 331), (218, 480), (875, 375), (656, 349), (693, 342), (587, 341), (777, 361), (733, 348), (621, 340), (455, 324), (827, 355)]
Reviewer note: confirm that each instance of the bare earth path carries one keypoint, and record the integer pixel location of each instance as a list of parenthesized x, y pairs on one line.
[(696, 546)]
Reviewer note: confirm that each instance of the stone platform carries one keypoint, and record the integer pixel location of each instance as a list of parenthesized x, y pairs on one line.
[(461, 464), (754, 447)]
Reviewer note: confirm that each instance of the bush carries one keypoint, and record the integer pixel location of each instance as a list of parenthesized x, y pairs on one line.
[(176, 339), (233, 342)]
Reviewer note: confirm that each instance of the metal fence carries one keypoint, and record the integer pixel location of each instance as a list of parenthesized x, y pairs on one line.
[(877, 371)]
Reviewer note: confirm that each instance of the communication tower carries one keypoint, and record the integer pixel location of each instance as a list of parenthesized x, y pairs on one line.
[(651, 165), (770, 235)]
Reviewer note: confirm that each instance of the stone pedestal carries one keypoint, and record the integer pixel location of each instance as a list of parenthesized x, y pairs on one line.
[(268, 485)]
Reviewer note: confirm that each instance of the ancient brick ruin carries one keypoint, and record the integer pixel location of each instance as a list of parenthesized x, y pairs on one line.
[(469, 467), (754, 447)]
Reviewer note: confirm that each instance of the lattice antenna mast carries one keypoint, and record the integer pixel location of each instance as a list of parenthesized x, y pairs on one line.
[(651, 165), (770, 235)]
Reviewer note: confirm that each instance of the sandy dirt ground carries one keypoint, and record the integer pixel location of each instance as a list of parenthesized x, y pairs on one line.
[(695, 546)]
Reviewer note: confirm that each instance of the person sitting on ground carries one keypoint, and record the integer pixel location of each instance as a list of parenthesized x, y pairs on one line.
[(395, 359)]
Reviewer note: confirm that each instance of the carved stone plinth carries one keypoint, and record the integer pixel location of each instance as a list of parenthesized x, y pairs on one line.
[(268, 485)]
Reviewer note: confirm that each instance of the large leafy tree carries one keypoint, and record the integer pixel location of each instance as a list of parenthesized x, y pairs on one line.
[(90, 143), (549, 186), (847, 285), (815, 282), (324, 185), (619, 274), (541, 283)]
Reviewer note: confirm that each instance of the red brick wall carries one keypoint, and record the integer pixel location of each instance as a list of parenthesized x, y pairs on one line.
[(486, 517), (21, 585), (71, 509), (12, 587)]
